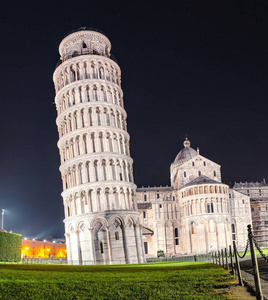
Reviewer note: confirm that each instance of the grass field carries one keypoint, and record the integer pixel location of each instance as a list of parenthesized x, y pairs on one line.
[(171, 280), (264, 251)]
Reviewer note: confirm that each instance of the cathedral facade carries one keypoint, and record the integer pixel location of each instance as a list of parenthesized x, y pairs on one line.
[(102, 224), (197, 213)]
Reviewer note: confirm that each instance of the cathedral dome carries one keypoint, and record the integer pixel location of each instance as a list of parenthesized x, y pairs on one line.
[(185, 154)]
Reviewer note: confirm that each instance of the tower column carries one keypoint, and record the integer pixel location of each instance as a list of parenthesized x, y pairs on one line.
[(125, 242)]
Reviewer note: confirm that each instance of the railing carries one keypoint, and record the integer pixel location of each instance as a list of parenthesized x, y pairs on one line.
[(59, 62), (59, 261), (200, 258), (85, 28), (230, 259)]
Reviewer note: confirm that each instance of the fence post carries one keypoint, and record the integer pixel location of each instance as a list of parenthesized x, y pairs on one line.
[(259, 295), (222, 257), (226, 259), (238, 266), (212, 256), (231, 258), (219, 257)]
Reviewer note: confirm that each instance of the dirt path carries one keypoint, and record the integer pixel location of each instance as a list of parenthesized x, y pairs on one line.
[(241, 293)]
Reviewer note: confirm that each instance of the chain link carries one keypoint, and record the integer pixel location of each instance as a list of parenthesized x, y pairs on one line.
[(259, 249), (246, 250)]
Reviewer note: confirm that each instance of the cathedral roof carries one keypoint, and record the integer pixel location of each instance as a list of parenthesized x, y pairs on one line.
[(201, 180), (185, 154)]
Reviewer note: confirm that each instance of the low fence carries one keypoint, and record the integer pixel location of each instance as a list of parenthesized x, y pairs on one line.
[(230, 258), (58, 261), (200, 258)]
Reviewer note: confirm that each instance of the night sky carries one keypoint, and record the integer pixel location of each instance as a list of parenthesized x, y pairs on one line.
[(195, 68)]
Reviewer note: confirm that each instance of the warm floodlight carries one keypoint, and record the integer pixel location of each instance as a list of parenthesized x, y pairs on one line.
[(48, 249), (26, 248), (25, 238), (44, 240), (54, 242)]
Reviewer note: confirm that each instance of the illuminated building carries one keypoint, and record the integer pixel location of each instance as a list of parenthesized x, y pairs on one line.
[(197, 213), (43, 249), (101, 216)]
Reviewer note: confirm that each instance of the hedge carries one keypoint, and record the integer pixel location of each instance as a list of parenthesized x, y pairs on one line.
[(10, 246)]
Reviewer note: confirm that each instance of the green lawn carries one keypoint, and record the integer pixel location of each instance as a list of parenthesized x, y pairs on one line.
[(168, 280), (264, 251)]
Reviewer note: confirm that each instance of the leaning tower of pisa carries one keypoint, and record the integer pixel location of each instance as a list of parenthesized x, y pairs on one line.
[(101, 217)]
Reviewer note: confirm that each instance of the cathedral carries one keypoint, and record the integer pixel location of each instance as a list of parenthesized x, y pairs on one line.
[(197, 213), (107, 219)]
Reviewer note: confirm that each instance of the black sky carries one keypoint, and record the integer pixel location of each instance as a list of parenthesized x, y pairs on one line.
[(195, 68)]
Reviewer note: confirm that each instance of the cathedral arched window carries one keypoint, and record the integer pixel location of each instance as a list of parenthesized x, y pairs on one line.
[(199, 173), (184, 174), (209, 208), (193, 228), (145, 247), (214, 173), (193, 163), (176, 235), (204, 163), (233, 231), (144, 214)]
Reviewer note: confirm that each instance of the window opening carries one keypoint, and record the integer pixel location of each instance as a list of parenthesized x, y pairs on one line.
[(101, 247), (117, 235)]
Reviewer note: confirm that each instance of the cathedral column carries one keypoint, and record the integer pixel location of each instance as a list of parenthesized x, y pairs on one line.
[(141, 244), (206, 236), (225, 234)]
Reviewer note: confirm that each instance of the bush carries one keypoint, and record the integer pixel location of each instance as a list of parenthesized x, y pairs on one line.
[(160, 253), (10, 246)]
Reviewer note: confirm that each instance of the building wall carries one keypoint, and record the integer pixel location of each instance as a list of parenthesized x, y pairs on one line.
[(193, 168), (193, 218)]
